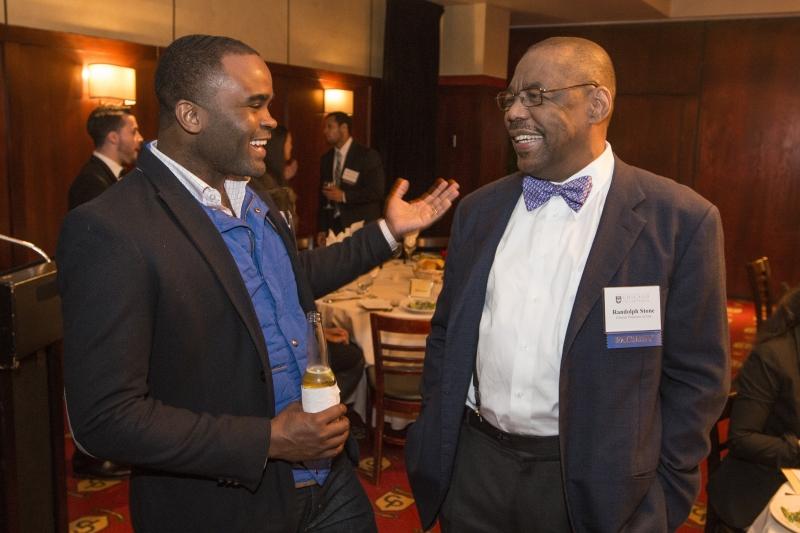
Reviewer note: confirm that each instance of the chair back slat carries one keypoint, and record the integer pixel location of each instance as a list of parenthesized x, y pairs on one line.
[(400, 347)]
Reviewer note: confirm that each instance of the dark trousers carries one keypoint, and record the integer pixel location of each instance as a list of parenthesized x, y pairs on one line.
[(339, 506), (505, 484)]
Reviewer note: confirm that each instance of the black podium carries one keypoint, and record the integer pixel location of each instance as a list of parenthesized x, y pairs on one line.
[(32, 470)]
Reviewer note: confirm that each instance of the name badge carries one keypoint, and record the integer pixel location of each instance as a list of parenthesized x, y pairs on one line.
[(350, 176), (633, 316)]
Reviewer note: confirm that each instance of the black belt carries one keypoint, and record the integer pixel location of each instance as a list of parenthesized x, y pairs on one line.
[(546, 448)]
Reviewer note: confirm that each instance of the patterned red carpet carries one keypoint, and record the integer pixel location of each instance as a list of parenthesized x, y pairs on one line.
[(96, 505)]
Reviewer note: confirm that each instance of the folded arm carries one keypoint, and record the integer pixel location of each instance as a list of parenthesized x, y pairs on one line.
[(758, 392)]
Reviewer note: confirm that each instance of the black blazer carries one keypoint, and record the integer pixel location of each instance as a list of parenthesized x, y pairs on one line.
[(633, 423), (165, 365), (763, 433), (94, 178), (364, 198)]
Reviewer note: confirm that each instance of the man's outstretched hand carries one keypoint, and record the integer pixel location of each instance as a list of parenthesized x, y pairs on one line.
[(405, 217)]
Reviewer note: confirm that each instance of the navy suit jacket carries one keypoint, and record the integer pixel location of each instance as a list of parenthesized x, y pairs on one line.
[(364, 198), (94, 178), (165, 364), (634, 422)]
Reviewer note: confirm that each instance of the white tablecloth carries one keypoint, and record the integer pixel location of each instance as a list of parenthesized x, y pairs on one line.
[(765, 522), (391, 283)]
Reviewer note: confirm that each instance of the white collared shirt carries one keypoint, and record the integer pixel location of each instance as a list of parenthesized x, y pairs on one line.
[(115, 167), (236, 189), (342, 153), (202, 191), (529, 296)]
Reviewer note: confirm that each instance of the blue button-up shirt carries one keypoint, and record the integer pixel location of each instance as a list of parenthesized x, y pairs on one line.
[(266, 270)]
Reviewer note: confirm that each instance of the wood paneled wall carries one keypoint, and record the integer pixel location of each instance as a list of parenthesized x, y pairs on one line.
[(43, 111), (45, 128), (712, 105), (748, 153), (471, 139), (5, 209)]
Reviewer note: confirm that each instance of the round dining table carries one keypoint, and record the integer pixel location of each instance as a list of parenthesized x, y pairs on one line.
[(771, 519), (384, 290)]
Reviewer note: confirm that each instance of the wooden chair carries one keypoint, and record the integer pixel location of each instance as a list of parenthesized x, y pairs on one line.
[(432, 243), (396, 377), (718, 447), (759, 273)]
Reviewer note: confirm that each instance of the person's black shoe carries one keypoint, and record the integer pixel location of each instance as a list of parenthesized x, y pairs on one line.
[(85, 466)]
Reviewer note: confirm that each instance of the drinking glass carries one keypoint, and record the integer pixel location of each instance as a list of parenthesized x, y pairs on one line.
[(409, 245), (328, 185)]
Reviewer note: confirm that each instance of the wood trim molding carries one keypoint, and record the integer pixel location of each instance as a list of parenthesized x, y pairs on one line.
[(57, 39), (324, 76), (480, 80)]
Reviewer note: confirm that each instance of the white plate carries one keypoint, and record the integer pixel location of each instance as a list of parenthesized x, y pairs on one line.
[(407, 307), (792, 504), (375, 304)]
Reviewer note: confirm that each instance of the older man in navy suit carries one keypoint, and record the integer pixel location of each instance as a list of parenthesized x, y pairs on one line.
[(579, 350)]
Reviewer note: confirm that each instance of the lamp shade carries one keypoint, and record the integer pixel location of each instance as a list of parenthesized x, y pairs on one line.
[(338, 100), (112, 81)]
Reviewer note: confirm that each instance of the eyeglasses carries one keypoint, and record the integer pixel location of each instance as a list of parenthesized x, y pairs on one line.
[(532, 96)]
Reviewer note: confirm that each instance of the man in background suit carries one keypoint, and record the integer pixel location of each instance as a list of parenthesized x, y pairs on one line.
[(117, 142), (184, 303), (579, 349), (352, 178)]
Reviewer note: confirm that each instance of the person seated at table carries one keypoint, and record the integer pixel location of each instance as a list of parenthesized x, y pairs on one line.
[(347, 360), (765, 420), (281, 169)]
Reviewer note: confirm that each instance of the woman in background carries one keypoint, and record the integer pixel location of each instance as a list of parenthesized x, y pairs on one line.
[(281, 168), (765, 420)]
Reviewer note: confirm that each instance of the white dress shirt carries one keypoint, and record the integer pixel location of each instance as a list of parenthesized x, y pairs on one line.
[(529, 296), (343, 155), (202, 191), (235, 188)]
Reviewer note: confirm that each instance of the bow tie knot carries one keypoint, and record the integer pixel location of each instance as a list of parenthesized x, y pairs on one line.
[(536, 192)]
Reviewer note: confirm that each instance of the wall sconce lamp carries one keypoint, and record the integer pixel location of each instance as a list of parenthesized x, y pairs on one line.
[(112, 82), (338, 100)]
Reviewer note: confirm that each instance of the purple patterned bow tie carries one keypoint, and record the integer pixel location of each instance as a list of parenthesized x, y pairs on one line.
[(536, 192)]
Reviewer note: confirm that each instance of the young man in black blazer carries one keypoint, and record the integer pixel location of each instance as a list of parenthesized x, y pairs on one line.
[(173, 319), (117, 142)]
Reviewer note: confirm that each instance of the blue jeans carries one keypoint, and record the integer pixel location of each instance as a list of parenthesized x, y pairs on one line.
[(339, 506)]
